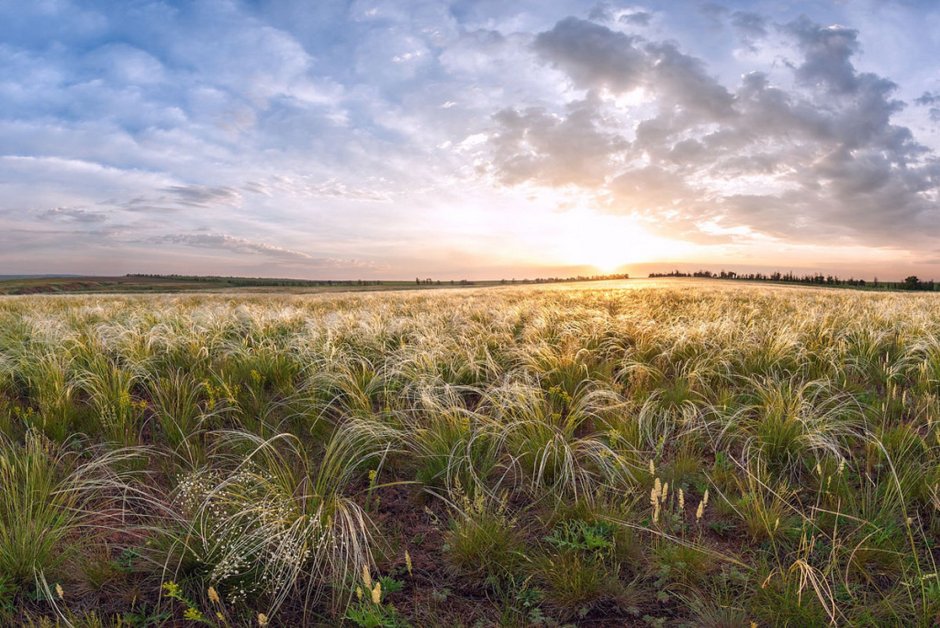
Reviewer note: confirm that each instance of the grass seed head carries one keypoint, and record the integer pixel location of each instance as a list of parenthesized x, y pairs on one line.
[(366, 577)]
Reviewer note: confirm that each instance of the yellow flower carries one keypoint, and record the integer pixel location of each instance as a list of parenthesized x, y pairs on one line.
[(377, 593), (59, 591), (366, 577), (262, 620), (214, 596), (681, 500), (193, 614), (408, 561)]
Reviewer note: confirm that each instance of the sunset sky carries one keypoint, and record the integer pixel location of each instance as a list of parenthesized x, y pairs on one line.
[(469, 139)]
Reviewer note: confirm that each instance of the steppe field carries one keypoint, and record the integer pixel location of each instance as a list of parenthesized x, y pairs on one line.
[(639, 453)]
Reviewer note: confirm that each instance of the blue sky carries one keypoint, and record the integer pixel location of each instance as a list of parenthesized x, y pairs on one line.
[(468, 139)]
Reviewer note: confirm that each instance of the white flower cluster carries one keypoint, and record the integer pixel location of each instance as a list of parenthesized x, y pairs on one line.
[(248, 532)]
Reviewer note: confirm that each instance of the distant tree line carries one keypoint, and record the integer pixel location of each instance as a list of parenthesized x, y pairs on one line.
[(910, 283), (261, 281), (310, 283), (567, 279)]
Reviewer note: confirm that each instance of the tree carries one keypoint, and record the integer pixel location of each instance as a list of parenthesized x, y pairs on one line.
[(912, 282)]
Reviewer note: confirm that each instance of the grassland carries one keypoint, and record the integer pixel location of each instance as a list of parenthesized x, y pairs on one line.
[(633, 453)]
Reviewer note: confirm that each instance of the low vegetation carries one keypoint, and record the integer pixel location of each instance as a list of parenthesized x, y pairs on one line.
[(707, 454)]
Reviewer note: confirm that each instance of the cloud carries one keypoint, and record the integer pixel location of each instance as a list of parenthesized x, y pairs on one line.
[(928, 98), (226, 242), (203, 196), (73, 214), (931, 100), (593, 56), (607, 12), (818, 159), (682, 80), (749, 24), (714, 12), (231, 243), (750, 27), (573, 148), (601, 12), (827, 53), (637, 18)]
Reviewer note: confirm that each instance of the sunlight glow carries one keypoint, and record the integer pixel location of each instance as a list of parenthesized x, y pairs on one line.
[(609, 242)]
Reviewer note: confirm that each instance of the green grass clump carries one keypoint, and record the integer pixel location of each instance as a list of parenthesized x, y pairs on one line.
[(483, 542), (52, 504)]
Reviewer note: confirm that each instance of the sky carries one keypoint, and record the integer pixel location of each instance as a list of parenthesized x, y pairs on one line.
[(469, 138)]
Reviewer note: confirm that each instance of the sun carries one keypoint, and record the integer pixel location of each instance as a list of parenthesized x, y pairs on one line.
[(608, 242), (606, 261)]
